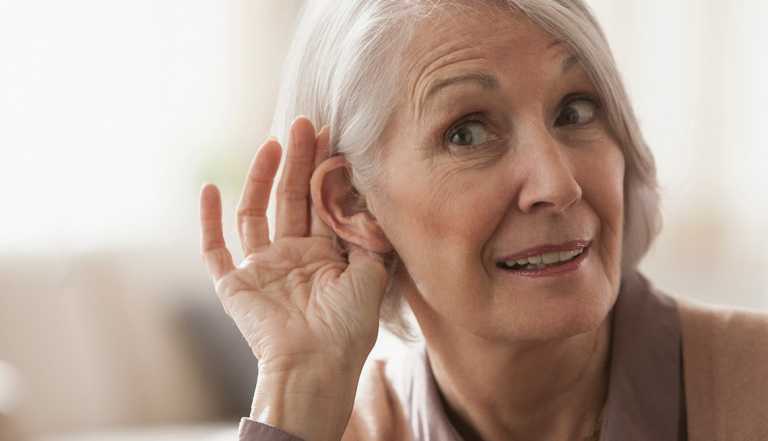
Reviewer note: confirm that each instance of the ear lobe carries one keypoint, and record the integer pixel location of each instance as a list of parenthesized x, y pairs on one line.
[(336, 202)]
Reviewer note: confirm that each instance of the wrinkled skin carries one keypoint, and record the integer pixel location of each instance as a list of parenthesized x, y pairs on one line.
[(298, 301)]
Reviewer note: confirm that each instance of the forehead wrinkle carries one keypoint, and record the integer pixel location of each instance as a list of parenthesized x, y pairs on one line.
[(449, 57), (456, 52)]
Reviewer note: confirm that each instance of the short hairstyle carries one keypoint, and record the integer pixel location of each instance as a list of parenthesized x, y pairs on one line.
[(342, 71)]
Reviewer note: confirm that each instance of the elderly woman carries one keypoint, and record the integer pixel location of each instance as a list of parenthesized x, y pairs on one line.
[(479, 164)]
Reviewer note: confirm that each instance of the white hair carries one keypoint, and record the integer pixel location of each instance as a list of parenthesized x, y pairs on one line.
[(343, 71)]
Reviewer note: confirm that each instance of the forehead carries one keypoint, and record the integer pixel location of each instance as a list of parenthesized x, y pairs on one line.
[(483, 39), (454, 26)]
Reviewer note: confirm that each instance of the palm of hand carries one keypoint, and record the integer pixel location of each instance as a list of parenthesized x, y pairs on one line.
[(296, 299)]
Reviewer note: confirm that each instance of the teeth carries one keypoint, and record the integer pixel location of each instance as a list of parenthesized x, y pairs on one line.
[(567, 255), (535, 260), (548, 258)]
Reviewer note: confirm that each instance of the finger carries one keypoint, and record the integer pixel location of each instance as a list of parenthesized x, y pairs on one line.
[(215, 254), (293, 189), (316, 225), (252, 224)]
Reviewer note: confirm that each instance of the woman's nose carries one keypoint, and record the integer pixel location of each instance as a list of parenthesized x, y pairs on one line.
[(549, 179)]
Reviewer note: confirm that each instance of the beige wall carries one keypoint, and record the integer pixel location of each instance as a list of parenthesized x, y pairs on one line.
[(100, 239), (94, 341)]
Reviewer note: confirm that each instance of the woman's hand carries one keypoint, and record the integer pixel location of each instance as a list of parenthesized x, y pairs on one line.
[(297, 300), (309, 313)]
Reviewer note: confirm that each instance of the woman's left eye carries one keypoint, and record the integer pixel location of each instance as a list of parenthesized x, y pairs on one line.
[(469, 133), (578, 112)]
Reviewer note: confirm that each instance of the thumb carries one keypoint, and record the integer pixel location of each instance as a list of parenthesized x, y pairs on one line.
[(369, 270)]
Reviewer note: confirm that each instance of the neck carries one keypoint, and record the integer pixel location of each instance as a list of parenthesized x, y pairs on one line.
[(552, 390)]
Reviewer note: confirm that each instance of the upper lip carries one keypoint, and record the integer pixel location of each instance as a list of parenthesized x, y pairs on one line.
[(547, 248)]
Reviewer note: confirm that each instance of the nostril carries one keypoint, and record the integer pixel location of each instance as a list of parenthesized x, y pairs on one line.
[(541, 204)]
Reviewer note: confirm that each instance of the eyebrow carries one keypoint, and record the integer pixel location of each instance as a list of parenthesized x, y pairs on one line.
[(568, 64), (485, 80)]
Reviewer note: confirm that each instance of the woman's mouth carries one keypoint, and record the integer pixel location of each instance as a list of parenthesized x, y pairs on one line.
[(546, 264)]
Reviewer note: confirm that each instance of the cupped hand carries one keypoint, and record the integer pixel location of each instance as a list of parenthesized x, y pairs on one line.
[(297, 300)]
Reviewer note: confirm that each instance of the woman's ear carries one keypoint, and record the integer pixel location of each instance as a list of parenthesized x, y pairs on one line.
[(337, 203)]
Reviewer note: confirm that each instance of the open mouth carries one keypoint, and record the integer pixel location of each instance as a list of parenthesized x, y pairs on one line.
[(546, 262)]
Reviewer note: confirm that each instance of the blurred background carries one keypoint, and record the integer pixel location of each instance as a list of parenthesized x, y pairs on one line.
[(112, 115)]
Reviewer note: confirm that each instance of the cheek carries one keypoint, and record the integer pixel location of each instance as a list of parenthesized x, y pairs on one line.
[(462, 215), (603, 190), (612, 196), (449, 220), (465, 208), (602, 181)]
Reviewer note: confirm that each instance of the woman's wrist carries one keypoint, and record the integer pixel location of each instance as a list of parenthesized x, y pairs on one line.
[(312, 404)]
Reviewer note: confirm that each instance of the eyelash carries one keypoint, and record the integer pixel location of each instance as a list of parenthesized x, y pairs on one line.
[(479, 117)]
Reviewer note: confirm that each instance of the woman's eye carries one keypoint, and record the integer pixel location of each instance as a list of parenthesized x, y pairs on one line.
[(470, 133), (577, 112)]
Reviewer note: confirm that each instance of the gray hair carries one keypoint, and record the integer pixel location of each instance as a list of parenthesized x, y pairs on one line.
[(340, 72)]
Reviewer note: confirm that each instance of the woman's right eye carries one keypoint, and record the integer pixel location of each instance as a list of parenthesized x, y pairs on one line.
[(469, 134)]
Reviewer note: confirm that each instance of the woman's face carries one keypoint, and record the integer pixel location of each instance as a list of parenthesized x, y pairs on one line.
[(500, 146)]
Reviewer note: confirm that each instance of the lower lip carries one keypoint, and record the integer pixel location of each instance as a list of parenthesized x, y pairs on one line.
[(568, 267)]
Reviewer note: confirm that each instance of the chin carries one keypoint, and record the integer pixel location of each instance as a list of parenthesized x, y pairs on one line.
[(556, 320)]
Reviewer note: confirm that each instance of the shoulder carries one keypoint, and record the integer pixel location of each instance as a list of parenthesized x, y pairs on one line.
[(726, 344), (725, 360), (726, 330)]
